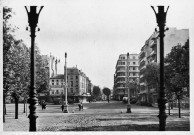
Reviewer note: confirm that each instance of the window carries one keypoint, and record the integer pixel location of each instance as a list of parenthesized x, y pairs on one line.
[(71, 83), (133, 74), (133, 63), (53, 92), (57, 82), (71, 90), (133, 68), (52, 82), (76, 77), (57, 91), (133, 57)]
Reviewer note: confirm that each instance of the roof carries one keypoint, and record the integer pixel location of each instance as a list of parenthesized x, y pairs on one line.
[(58, 76)]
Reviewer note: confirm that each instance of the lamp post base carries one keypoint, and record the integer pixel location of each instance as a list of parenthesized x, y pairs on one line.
[(65, 109), (129, 108)]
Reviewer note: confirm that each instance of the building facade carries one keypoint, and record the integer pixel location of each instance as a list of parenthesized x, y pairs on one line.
[(150, 53), (78, 85), (120, 89)]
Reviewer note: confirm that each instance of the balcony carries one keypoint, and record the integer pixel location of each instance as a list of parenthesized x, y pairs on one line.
[(133, 71), (141, 55), (121, 70), (153, 43), (120, 65), (143, 67), (142, 59), (120, 82), (143, 91), (120, 87), (153, 90), (121, 76), (153, 53), (142, 83)]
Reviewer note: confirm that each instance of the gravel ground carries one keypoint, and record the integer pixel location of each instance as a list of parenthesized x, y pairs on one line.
[(97, 117)]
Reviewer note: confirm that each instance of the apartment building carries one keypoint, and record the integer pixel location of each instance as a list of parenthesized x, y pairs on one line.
[(78, 85), (120, 78), (150, 53)]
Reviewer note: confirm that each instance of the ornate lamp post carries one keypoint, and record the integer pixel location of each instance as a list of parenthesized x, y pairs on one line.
[(161, 20), (32, 20), (129, 104), (66, 105)]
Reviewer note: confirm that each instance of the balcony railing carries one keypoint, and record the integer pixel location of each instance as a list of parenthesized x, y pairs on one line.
[(153, 53), (142, 83), (153, 43)]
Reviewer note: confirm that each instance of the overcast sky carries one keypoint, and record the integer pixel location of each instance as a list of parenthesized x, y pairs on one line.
[(95, 32)]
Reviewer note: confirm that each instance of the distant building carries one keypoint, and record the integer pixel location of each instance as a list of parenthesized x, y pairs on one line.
[(150, 53), (120, 78), (78, 85)]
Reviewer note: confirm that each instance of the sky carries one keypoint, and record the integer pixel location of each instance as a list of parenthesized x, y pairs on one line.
[(95, 32)]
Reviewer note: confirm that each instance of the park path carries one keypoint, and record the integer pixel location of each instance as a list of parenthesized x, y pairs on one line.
[(96, 117)]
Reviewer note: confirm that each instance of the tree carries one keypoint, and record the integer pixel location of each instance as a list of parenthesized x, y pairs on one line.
[(20, 71), (42, 75), (107, 92), (152, 76), (96, 92), (8, 41), (177, 71)]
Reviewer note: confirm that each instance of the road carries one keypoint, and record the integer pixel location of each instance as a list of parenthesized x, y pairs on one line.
[(97, 116)]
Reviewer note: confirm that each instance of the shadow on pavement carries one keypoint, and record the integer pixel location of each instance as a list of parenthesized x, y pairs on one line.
[(131, 127)]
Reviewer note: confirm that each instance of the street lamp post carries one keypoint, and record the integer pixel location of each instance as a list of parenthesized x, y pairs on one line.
[(66, 105), (161, 20), (129, 104), (32, 20)]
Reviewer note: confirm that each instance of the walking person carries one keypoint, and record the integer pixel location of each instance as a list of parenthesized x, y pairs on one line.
[(42, 105), (79, 105), (62, 107)]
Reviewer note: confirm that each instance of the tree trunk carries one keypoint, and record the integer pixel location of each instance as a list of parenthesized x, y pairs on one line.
[(171, 105), (3, 109), (24, 106), (16, 108), (179, 106), (4, 105), (168, 108)]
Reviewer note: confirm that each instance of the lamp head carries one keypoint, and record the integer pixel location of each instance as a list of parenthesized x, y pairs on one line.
[(161, 15), (33, 15)]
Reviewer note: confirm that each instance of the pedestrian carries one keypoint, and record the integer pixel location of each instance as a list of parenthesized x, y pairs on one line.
[(45, 105), (42, 105), (82, 106), (79, 105), (62, 107)]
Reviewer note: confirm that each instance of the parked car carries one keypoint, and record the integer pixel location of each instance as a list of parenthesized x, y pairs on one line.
[(133, 100), (125, 99)]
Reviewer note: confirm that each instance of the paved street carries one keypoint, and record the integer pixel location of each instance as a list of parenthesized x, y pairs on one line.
[(98, 116)]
